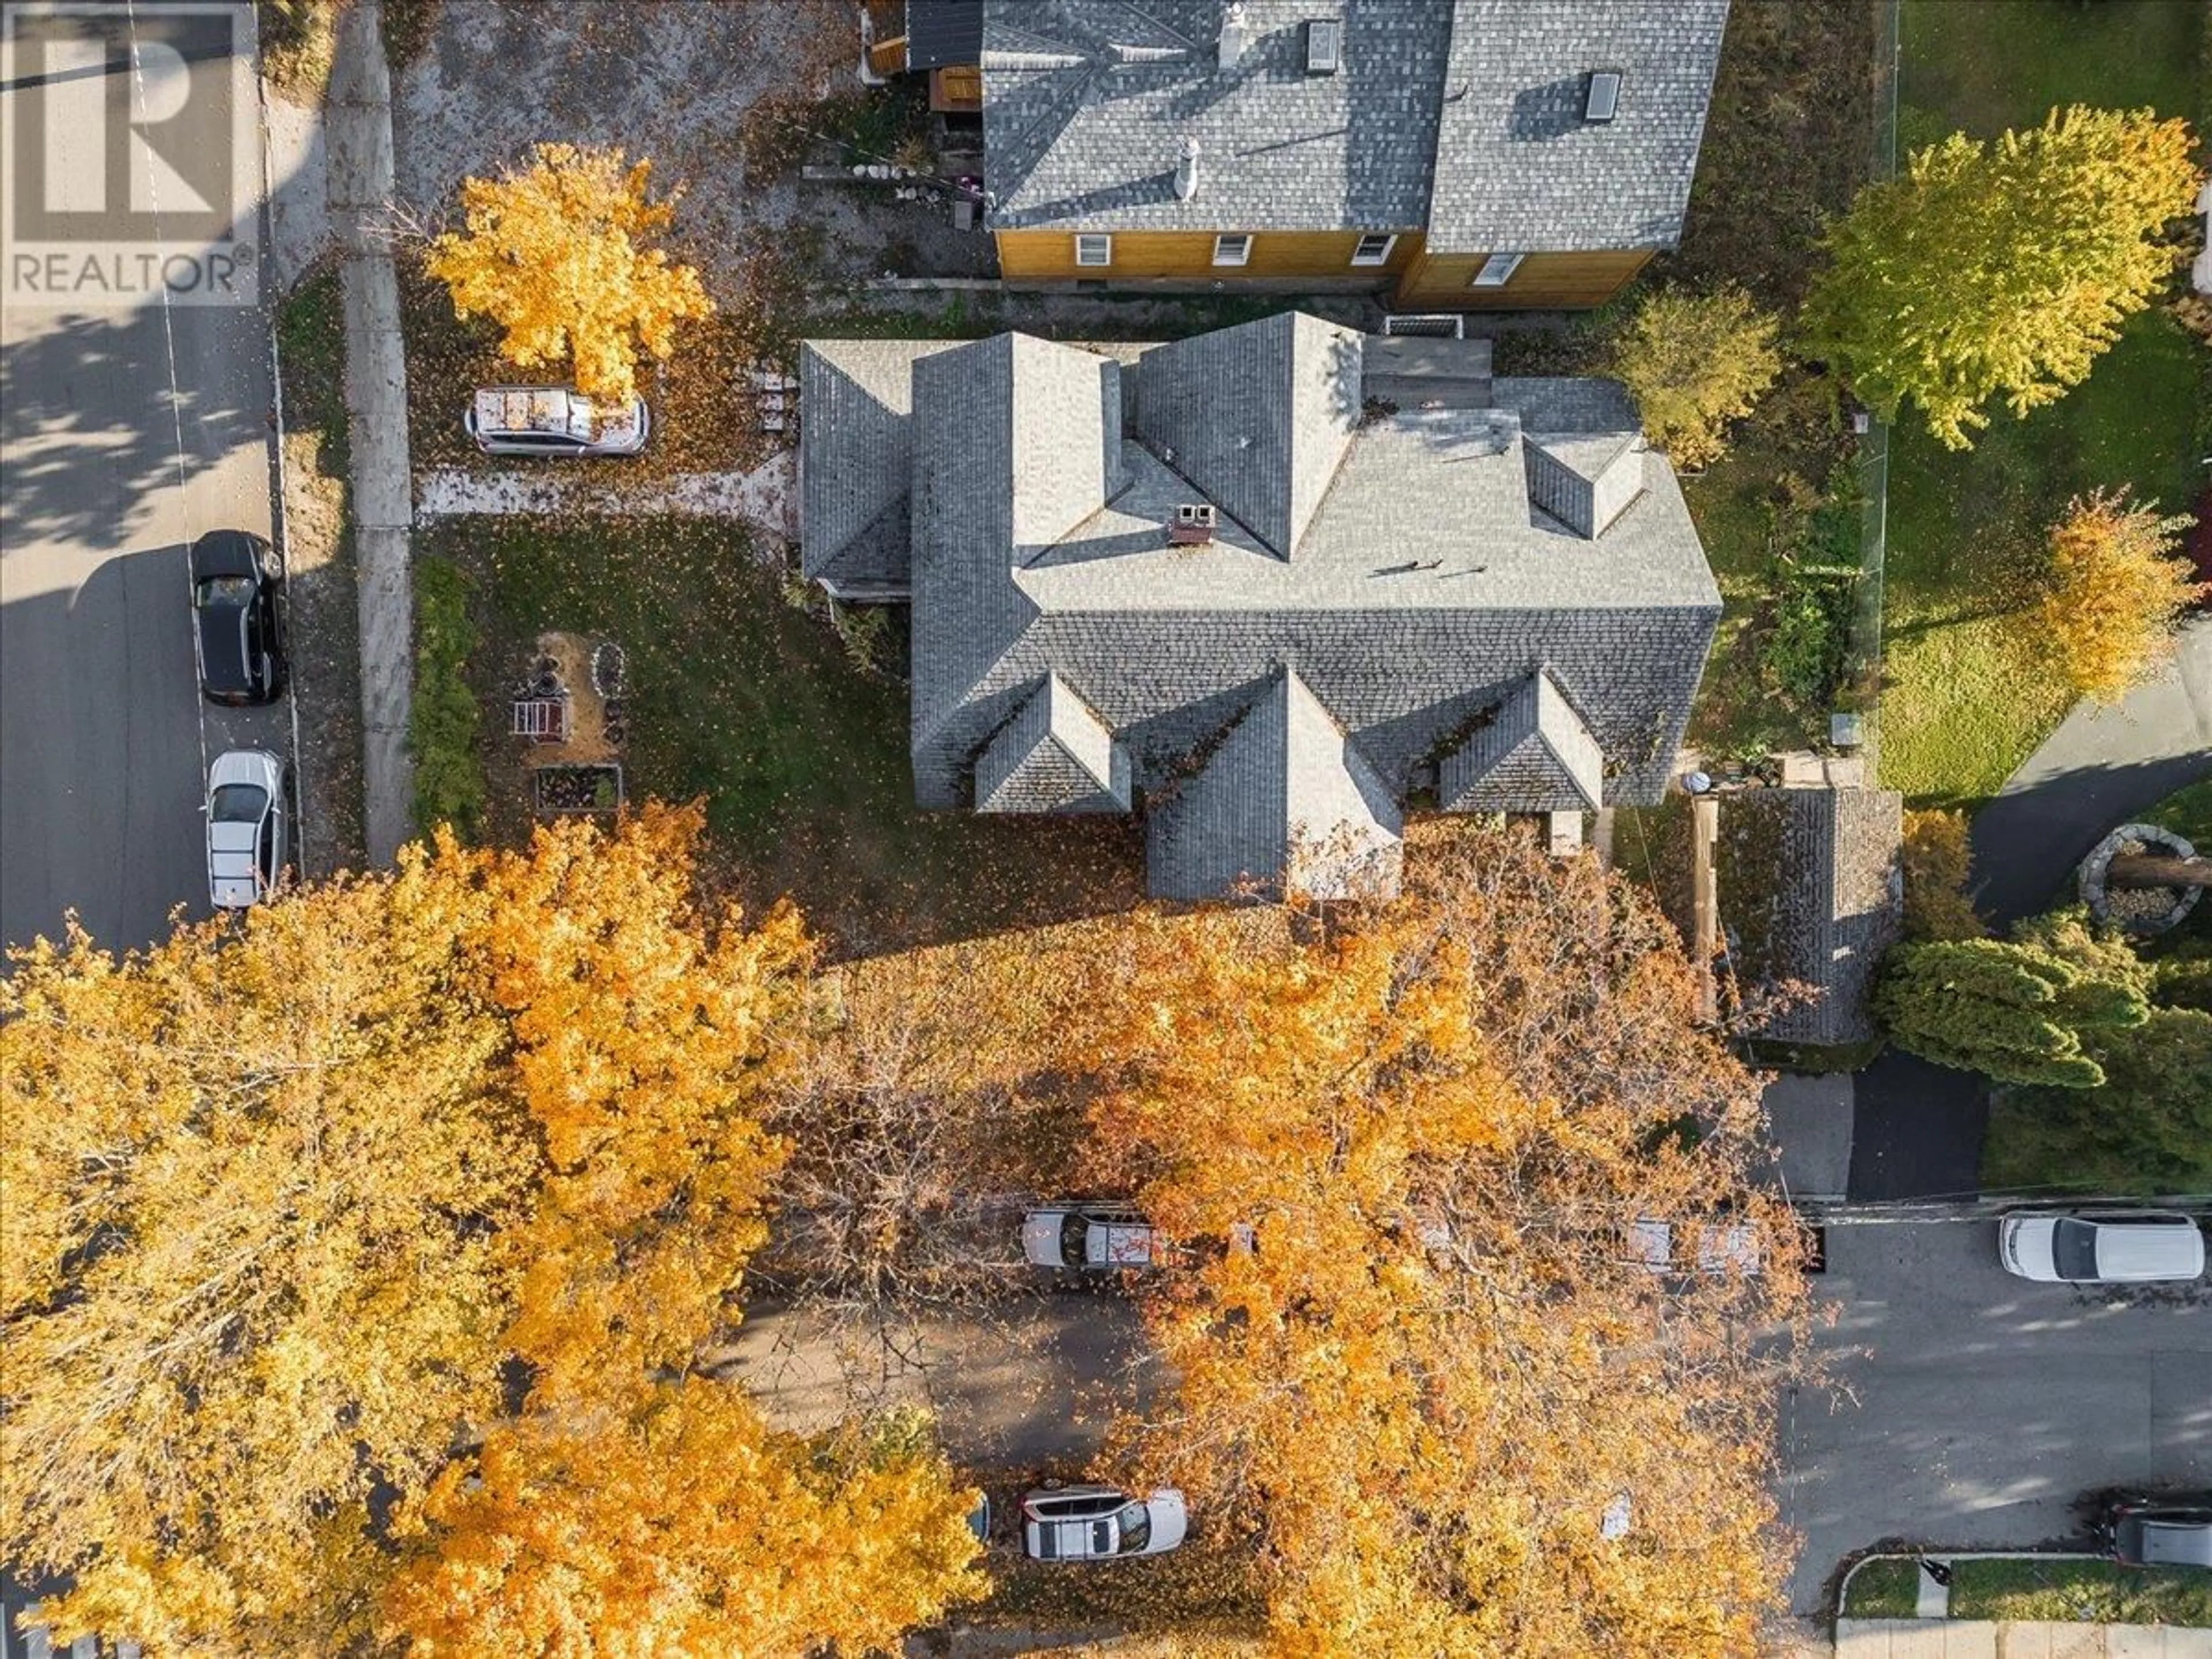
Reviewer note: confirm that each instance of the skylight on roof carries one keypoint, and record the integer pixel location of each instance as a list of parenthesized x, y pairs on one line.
[(1324, 46), (1602, 100)]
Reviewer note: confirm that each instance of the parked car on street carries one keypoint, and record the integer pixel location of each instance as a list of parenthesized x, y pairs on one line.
[(554, 421), (1089, 1238), (245, 828), (1099, 1524), (2145, 1248), (2160, 1532), (237, 636), (1722, 1246)]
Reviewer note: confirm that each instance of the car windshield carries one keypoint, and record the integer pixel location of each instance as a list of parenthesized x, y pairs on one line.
[(224, 590), (1074, 1234), (238, 803), (2074, 1248), (1136, 1527)]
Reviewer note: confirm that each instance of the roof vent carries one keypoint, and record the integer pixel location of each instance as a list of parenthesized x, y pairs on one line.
[(1192, 525), (1324, 46), (1602, 101), (1232, 35), (1186, 177)]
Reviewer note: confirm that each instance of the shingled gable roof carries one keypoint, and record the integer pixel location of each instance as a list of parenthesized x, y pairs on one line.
[(1464, 119), (1534, 755), (1284, 798), (858, 398), (1519, 167), (1423, 591), (1256, 417), (1810, 885), (1087, 104), (1055, 756)]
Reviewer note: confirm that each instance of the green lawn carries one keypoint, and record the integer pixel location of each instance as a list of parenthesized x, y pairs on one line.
[(1966, 699), (738, 696), (1887, 1588), (2023, 1587)]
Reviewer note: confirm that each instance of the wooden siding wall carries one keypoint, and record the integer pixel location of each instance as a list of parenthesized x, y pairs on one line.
[(1149, 255), (1444, 282)]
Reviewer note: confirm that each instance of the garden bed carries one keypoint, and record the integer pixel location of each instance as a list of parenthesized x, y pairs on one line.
[(734, 693)]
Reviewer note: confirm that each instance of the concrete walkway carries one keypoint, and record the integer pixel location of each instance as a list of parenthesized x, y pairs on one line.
[(2100, 768), (764, 497), (1974, 1639), (358, 128)]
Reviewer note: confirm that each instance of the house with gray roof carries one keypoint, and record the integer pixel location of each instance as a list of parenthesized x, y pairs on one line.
[(1270, 587), (1812, 893), (1456, 154)]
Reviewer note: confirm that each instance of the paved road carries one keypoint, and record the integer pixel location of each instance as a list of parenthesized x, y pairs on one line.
[(107, 478), (1032, 1386), (1984, 1404)]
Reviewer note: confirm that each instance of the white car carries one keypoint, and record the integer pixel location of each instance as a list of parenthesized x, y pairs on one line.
[(1723, 1247), (1089, 1238), (1099, 1524), (245, 828), (552, 420), (2152, 1248)]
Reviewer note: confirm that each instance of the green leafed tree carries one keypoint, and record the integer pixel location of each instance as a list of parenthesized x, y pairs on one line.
[(2028, 1011), (2149, 1128), (2002, 269)]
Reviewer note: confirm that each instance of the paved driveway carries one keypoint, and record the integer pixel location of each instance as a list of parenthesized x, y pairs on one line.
[(1983, 1405), (109, 475)]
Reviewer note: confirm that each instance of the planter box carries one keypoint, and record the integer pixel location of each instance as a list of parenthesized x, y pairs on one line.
[(562, 789)]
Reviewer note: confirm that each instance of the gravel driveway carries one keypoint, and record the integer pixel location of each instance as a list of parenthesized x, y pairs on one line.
[(673, 82)]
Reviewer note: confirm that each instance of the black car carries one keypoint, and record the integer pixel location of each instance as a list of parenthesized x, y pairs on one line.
[(240, 641), (2160, 1532)]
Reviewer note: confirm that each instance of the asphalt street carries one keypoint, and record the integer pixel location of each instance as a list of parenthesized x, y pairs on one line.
[(1976, 1406), (123, 434)]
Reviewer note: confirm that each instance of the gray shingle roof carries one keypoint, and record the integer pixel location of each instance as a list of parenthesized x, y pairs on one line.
[(1425, 590), (1283, 798), (1086, 105), (1519, 168), (1534, 755), (943, 32), (857, 396), (1054, 755), (1810, 891), (1462, 118)]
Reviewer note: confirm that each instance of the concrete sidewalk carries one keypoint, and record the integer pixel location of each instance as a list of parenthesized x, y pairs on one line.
[(358, 128), (1974, 1639)]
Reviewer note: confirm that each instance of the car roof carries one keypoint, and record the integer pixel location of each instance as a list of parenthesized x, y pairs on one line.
[(2145, 1246), (223, 553)]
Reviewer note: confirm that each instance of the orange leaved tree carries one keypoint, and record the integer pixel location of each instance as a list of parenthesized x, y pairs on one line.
[(1465, 1342), (678, 1522), (558, 253), (285, 1197), (2117, 588)]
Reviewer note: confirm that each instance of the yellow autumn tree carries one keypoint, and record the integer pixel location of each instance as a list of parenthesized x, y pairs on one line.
[(1694, 363), (1443, 1387), (678, 1522), (2001, 270), (284, 1198), (558, 254), (2118, 589), (1936, 863)]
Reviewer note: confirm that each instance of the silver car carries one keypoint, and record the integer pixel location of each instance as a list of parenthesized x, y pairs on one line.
[(1099, 1524), (1089, 1238), (554, 421), (245, 828), (2151, 1248)]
